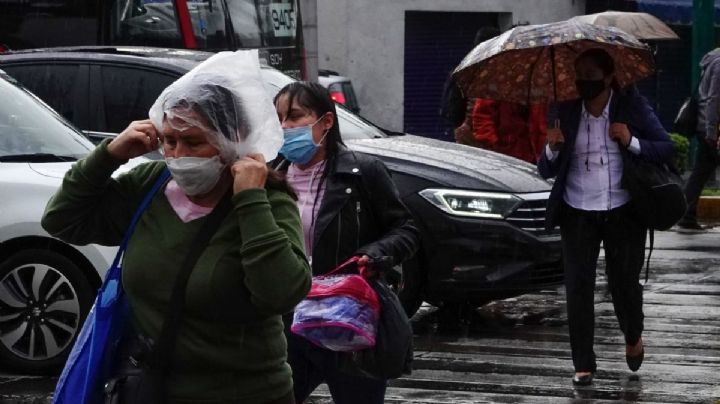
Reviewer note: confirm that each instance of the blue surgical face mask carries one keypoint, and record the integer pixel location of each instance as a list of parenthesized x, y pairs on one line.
[(299, 146)]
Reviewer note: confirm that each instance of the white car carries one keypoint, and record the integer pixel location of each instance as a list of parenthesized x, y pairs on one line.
[(340, 88), (46, 285)]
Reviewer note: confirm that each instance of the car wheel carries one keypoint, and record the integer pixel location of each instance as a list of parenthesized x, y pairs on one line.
[(44, 298), (408, 282)]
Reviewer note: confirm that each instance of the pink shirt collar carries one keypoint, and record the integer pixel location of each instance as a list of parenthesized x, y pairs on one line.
[(185, 209)]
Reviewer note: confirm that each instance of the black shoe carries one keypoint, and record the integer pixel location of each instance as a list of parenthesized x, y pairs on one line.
[(634, 362), (584, 380)]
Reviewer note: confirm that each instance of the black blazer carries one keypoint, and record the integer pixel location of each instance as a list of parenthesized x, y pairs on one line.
[(627, 107)]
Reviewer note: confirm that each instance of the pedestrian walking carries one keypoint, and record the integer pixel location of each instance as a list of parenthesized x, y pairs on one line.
[(708, 121), (349, 208), (456, 108), (505, 127), (230, 346), (591, 207)]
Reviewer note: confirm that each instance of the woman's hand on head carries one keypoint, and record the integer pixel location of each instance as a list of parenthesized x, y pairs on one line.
[(138, 138), (249, 172)]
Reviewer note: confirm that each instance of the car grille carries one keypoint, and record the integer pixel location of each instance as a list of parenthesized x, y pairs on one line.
[(530, 215)]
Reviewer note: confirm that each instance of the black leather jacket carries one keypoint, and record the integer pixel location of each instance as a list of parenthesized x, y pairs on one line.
[(361, 213)]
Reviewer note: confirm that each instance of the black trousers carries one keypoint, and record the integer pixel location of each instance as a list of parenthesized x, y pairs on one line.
[(623, 239), (706, 161), (312, 365)]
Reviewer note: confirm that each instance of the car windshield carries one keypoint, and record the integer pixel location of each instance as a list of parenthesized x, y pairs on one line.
[(30, 131), (351, 126)]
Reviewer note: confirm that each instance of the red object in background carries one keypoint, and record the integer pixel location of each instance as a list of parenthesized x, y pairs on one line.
[(185, 23), (3, 48), (509, 128), (338, 96)]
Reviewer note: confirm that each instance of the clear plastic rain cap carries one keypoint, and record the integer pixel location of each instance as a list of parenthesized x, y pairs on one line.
[(224, 95)]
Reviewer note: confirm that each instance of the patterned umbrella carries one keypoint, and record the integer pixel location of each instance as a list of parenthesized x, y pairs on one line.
[(642, 26), (536, 63)]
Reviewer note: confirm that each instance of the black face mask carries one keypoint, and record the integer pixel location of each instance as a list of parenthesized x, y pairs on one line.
[(589, 89)]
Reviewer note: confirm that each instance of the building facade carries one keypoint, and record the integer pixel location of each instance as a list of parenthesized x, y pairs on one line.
[(398, 53)]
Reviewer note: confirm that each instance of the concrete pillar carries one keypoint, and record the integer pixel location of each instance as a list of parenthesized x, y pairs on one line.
[(308, 11)]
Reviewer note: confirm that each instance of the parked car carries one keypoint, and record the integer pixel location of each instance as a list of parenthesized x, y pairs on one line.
[(46, 286), (481, 214), (341, 89)]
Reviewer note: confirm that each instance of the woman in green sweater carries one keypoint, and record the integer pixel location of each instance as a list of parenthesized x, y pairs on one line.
[(230, 347)]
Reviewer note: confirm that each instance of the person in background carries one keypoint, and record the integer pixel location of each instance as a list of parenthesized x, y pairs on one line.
[(707, 157), (509, 128), (505, 127), (455, 107), (231, 346), (349, 208), (590, 205)]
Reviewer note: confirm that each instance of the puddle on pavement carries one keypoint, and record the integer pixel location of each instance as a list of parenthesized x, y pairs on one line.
[(544, 309)]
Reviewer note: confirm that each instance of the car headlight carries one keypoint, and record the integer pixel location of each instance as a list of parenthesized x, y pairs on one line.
[(493, 205)]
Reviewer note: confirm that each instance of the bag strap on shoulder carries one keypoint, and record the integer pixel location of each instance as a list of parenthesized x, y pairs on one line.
[(139, 212), (173, 316)]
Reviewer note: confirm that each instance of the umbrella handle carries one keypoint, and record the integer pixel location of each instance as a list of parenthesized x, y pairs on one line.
[(553, 119)]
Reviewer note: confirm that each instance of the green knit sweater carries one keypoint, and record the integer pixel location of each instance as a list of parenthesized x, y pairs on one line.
[(255, 262)]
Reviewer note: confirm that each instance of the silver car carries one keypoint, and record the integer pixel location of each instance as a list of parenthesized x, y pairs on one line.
[(46, 285)]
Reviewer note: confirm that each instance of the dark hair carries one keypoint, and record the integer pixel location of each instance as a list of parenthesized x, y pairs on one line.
[(601, 58), (485, 33), (278, 182), (219, 105), (316, 98), (216, 105)]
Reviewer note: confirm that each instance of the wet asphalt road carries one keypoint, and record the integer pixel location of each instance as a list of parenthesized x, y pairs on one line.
[(517, 350)]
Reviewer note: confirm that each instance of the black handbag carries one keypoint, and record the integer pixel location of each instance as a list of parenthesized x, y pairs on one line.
[(392, 355), (140, 377), (656, 191), (686, 120)]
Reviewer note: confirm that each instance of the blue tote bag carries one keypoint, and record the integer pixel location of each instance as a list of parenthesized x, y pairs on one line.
[(89, 363)]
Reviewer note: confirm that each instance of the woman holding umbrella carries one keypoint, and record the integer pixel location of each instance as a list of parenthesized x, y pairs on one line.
[(591, 206), (559, 63)]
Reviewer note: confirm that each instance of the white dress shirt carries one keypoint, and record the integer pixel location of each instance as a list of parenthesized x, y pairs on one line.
[(595, 168)]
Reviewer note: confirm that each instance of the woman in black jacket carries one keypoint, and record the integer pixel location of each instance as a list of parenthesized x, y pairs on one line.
[(349, 207)]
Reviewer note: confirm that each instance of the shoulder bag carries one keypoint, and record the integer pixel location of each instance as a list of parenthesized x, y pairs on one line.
[(140, 374), (392, 355), (656, 191), (94, 373), (686, 121), (90, 360)]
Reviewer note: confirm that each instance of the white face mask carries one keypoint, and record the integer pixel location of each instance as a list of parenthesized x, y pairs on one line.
[(195, 175)]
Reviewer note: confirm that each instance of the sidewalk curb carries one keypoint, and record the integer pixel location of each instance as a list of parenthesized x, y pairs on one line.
[(708, 209)]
